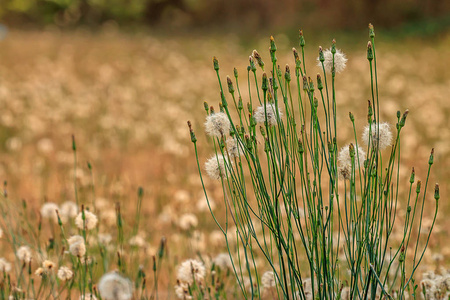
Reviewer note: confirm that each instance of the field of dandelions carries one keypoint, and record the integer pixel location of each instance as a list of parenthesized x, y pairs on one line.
[(101, 197)]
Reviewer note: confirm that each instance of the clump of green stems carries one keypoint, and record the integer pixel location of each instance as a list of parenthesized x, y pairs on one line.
[(344, 237)]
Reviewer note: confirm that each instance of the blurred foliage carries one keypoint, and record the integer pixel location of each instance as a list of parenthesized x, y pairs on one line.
[(253, 14)]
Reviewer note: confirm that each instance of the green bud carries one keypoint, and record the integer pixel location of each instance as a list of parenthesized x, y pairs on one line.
[(352, 117), (371, 31), (249, 107), (319, 82), (273, 47), (351, 150), (258, 58), (413, 174), (305, 83), (311, 85), (235, 73), (301, 38), (262, 130), (321, 56), (265, 82), (216, 63), (431, 160), (333, 46), (287, 74), (369, 51), (403, 119), (436, 192), (191, 131), (230, 85), (419, 184), (240, 104), (252, 64)]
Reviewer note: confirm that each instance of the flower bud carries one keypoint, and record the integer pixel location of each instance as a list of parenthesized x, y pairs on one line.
[(216, 63)]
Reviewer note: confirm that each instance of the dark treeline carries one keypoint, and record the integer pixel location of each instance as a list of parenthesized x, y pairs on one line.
[(344, 14)]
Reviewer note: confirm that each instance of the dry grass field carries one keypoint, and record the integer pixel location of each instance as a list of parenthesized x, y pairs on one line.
[(126, 99)]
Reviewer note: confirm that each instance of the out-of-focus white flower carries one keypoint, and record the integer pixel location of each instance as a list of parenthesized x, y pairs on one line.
[(191, 270), (269, 110), (217, 124), (113, 286), (382, 140), (340, 61), (90, 220)]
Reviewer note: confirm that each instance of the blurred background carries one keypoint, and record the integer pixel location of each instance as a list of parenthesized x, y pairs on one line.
[(124, 76)]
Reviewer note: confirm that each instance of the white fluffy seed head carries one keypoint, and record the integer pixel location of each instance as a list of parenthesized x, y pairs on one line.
[(48, 265), (340, 61), (269, 110), (383, 139), (24, 254), (217, 124), (223, 261), (182, 291), (48, 211), (191, 270), (69, 210), (5, 266), (235, 148), (268, 280), (188, 221), (113, 286), (78, 249), (215, 167), (345, 163), (64, 273), (90, 220)]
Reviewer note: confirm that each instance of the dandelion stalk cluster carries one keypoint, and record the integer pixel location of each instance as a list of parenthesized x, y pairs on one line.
[(321, 211)]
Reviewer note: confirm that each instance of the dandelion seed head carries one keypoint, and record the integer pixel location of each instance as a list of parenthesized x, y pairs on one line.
[(383, 139), (270, 110), (48, 211), (5, 266), (48, 265), (64, 273), (344, 161), (188, 221), (24, 254), (182, 291), (223, 261), (69, 210), (90, 220), (137, 241), (217, 124), (215, 167), (104, 238), (235, 148), (77, 249), (268, 279), (340, 61), (113, 286), (39, 271), (191, 270)]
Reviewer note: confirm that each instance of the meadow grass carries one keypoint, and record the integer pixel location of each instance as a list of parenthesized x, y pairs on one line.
[(125, 101)]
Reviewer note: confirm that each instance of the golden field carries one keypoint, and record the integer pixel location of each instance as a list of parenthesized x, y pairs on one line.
[(126, 99)]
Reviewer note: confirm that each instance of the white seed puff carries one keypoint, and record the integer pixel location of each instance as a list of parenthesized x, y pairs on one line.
[(217, 124), (113, 286), (378, 135), (90, 220), (340, 61)]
